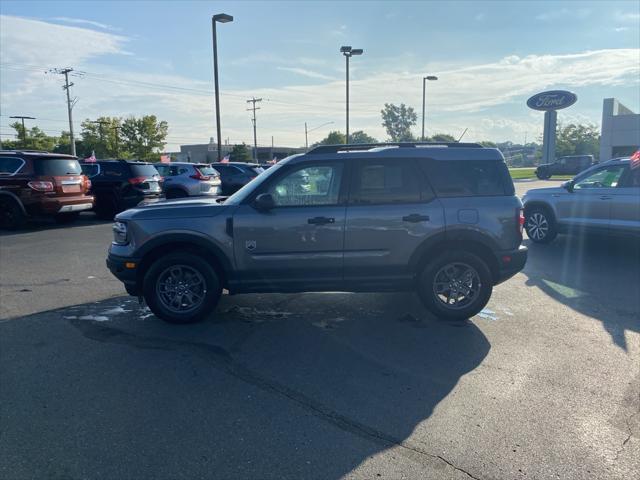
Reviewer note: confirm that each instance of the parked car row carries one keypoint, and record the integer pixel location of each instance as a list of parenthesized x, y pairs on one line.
[(36, 184)]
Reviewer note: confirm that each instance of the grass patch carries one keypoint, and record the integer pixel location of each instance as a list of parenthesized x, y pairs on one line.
[(522, 173)]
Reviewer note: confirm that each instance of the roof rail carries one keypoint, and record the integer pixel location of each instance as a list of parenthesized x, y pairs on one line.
[(367, 146)]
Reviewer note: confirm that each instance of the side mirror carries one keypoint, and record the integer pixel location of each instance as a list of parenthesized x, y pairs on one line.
[(568, 186), (264, 202)]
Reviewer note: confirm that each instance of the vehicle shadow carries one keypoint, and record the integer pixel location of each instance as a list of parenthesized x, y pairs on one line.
[(595, 275), (273, 386), (42, 224)]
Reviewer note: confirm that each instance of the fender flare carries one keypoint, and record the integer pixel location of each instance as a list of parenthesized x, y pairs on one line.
[(14, 197)]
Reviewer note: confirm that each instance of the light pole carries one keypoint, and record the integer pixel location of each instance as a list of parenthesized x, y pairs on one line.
[(306, 132), (222, 18), (348, 52), (24, 131), (424, 88)]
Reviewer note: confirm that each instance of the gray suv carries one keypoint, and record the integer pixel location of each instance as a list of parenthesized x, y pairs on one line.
[(439, 219), (603, 199), (183, 179)]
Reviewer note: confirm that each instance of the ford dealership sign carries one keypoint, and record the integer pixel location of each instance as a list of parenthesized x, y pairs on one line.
[(552, 100)]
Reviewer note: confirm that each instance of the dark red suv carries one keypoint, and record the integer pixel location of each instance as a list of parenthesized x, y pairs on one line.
[(41, 184)]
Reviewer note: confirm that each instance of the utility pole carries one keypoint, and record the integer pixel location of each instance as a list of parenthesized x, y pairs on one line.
[(70, 103), (254, 100), (24, 131), (117, 129)]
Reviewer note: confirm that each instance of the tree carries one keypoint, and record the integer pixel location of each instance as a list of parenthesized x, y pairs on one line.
[(334, 138), (240, 153), (578, 139), (101, 136), (488, 144), (442, 137), (144, 137), (398, 121), (361, 137), (36, 139)]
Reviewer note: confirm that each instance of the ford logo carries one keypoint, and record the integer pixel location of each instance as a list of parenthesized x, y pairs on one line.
[(552, 100)]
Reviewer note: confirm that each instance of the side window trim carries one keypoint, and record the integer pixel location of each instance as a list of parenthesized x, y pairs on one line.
[(15, 172)]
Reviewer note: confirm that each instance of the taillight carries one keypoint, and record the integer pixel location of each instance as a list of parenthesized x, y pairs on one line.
[(41, 186), (200, 176), (520, 217), (137, 180), (87, 183)]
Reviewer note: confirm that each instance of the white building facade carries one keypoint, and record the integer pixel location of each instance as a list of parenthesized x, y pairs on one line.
[(620, 134)]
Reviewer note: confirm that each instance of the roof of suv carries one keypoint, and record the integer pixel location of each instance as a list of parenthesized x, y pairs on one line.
[(435, 151), (37, 153)]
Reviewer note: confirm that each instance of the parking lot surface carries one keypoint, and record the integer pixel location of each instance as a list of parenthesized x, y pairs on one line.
[(544, 383)]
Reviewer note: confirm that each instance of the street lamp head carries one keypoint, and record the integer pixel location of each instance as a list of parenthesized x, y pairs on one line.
[(431, 77), (346, 49), (357, 51), (222, 18)]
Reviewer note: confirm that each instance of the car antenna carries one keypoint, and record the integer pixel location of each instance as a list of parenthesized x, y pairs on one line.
[(465, 131)]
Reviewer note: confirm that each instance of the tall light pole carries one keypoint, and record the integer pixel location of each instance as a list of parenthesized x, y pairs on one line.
[(222, 18), (24, 131), (424, 88), (348, 52), (306, 133)]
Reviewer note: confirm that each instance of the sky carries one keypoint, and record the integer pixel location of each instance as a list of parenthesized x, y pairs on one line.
[(155, 57)]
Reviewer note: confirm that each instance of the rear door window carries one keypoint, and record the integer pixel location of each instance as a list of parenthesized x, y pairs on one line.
[(10, 165), (90, 169), (206, 170), (56, 166), (460, 178), (385, 181)]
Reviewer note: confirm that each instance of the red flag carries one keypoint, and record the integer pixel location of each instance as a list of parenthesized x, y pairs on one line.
[(165, 158), (225, 159), (92, 158), (635, 159)]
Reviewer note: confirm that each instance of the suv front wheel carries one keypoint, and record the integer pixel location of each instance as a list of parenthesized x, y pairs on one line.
[(182, 288), (455, 286)]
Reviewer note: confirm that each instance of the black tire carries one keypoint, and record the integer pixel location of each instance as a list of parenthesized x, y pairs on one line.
[(540, 225), (175, 193), (11, 215), (157, 279), (65, 218), (479, 280), (543, 174)]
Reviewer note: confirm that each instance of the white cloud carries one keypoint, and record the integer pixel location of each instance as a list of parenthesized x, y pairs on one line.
[(627, 16), (621, 29), (465, 96), (306, 73), (80, 21)]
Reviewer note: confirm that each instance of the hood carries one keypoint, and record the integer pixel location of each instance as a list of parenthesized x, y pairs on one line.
[(544, 192), (182, 208)]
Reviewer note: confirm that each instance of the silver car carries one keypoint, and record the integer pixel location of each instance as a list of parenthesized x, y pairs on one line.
[(603, 199), (183, 179)]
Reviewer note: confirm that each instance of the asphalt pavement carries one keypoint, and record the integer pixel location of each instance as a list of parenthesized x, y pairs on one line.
[(545, 383)]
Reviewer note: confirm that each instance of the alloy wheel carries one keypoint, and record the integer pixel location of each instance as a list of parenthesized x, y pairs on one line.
[(537, 226), (181, 288), (457, 285)]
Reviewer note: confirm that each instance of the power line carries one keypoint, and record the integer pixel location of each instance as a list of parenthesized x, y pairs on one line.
[(254, 100), (70, 103)]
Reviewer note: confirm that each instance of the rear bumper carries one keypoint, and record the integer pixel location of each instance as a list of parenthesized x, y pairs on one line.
[(511, 262), (121, 268), (53, 205)]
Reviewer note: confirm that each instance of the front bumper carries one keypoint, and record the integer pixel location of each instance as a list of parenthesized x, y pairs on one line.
[(511, 262), (125, 269)]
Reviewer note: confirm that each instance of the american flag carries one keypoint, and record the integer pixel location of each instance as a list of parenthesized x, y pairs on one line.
[(165, 158), (92, 158), (635, 159), (225, 159)]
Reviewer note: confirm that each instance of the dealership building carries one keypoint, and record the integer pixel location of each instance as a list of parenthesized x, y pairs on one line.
[(620, 134)]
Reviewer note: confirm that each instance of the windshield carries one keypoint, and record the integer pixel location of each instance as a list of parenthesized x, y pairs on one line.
[(143, 170), (57, 166), (207, 170)]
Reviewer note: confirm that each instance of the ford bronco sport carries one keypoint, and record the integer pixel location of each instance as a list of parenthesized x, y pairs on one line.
[(441, 219)]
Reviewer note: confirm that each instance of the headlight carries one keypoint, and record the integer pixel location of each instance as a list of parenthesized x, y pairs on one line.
[(120, 233)]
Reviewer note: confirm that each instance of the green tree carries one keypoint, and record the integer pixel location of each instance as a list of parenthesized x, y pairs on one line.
[(143, 138), (36, 139), (334, 138), (101, 136), (240, 153), (577, 139), (359, 136), (488, 144), (442, 137), (398, 120)]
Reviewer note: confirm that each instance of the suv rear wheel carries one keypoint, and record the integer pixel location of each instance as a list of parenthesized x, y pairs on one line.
[(182, 288), (11, 215), (539, 225), (455, 286)]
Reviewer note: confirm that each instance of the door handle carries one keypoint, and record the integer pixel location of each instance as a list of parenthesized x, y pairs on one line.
[(415, 218), (605, 197), (321, 220)]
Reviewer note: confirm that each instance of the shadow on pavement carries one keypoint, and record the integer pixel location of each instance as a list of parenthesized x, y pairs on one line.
[(43, 224), (595, 275), (275, 386)]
